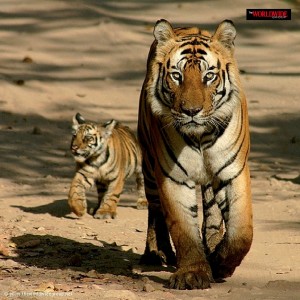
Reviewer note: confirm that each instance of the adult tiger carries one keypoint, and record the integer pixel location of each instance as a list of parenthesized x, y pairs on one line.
[(105, 154), (193, 128)]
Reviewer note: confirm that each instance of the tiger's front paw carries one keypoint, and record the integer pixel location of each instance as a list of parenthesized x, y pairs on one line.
[(78, 207), (191, 278), (142, 203), (105, 214)]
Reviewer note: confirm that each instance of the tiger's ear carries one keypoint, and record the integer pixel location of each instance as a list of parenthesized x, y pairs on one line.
[(163, 31), (78, 119), (226, 34), (109, 126)]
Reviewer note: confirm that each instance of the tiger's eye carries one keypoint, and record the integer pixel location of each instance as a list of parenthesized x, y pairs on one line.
[(209, 76), (176, 76)]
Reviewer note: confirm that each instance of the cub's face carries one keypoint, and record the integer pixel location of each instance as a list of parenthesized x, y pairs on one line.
[(86, 141), (89, 139), (195, 82)]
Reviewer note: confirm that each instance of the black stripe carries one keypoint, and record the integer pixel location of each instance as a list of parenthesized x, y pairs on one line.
[(165, 173), (85, 178), (116, 196), (200, 51), (225, 183), (219, 131), (194, 145), (232, 159), (172, 155), (230, 94), (187, 51), (157, 89), (160, 89), (168, 63), (194, 209), (223, 91), (212, 68), (205, 44)]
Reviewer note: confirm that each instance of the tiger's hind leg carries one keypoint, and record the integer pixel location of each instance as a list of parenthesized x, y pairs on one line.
[(158, 250), (108, 198), (142, 202), (236, 209), (212, 226)]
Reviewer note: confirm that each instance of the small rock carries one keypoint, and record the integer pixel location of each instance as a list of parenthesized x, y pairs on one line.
[(148, 287), (93, 274), (127, 248), (12, 245), (27, 60)]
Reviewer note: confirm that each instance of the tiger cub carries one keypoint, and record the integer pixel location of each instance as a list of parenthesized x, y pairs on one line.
[(105, 155)]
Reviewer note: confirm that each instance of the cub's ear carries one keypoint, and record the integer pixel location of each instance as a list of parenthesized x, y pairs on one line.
[(226, 34), (163, 31), (78, 119), (109, 126)]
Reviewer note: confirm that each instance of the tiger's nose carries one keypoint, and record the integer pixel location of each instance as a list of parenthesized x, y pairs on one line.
[(190, 111), (74, 148)]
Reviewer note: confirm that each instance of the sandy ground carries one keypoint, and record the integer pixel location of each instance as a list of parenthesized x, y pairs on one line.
[(60, 57)]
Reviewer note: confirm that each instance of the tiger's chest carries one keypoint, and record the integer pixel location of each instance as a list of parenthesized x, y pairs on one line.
[(182, 161)]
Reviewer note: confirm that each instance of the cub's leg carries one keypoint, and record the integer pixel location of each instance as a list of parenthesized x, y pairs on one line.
[(212, 226), (235, 203), (101, 190), (109, 198), (142, 202), (181, 211), (77, 198)]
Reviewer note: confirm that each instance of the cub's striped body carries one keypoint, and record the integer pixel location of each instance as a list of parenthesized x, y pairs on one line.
[(106, 155), (193, 128)]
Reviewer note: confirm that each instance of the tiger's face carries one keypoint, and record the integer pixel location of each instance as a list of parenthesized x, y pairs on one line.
[(89, 139), (196, 82)]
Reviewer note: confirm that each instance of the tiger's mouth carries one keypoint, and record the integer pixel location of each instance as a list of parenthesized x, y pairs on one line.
[(194, 121), (80, 156)]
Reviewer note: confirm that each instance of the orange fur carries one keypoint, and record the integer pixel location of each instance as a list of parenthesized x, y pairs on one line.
[(105, 155), (193, 128)]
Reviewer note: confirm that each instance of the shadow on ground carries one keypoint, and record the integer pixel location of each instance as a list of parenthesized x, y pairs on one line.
[(58, 253)]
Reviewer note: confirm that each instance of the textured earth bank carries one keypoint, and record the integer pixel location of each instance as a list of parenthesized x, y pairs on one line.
[(60, 57)]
